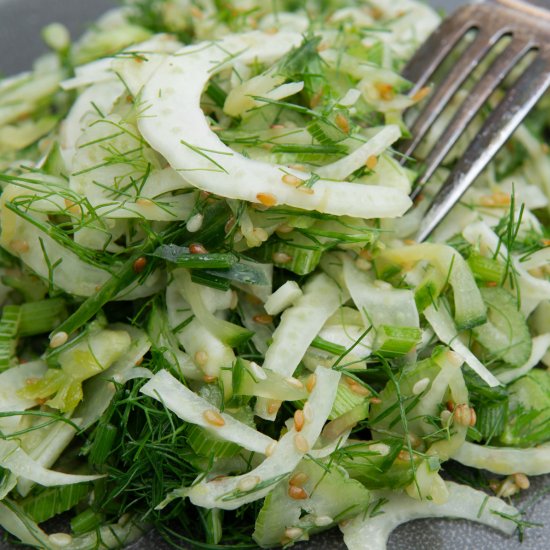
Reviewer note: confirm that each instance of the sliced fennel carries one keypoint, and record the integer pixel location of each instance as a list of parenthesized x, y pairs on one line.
[(372, 533), (202, 159), (194, 409), (229, 493)]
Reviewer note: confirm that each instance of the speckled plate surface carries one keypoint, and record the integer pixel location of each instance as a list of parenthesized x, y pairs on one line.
[(20, 44)]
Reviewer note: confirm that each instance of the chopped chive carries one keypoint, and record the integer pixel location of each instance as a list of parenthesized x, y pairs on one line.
[(486, 269), (182, 257), (325, 345)]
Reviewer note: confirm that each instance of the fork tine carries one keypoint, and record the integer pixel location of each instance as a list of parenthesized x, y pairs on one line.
[(438, 46), (452, 82), (507, 116), (481, 92)]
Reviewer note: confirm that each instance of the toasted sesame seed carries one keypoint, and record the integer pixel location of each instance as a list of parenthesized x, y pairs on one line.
[(365, 254), (342, 122), (310, 382), (323, 521), (359, 389), (72, 207), (263, 319), (404, 455), (201, 358), (209, 379), (301, 444), (316, 99), (261, 234), (197, 248), (214, 418), (273, 406), (139, 265), (522, 481), (294, 382), (299, 420), (297, 493), (60, 539), (267, 199), (385, 91), (281, 258), (58, 339), (270, 449), (306, 190), (421, 94), (142, 201), (248, 483), (294, 181), (294, 533), (372, 162), (194, 223), (299, 167), (298, 480), (19, 246), (375, 400), (420, 386)]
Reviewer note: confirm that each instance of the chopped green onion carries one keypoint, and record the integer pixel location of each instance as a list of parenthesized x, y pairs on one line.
[(486, 269), (54, 500), (86, 521), (182, 257), (42, 316), (9, 325), (395, 341)]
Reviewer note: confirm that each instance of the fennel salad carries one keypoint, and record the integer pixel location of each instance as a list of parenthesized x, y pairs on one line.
[(215, 323)]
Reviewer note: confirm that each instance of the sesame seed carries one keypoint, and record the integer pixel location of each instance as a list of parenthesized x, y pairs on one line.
[(310, 383), (464, 415), (257, 371), (375, 400), (420, 386), (299, 420), (194, 223), (270, 449), (248, 483), (342, 122), (144, 202), (294, 533), (522, 481), (301, 444), (306, 190), (60, 539), (323, 521), (363, 265), (421, 94), (385, 91), (308, 413), (281, 258), (72, 207), (372, 162), (19, 246), (261, 234), (381, 448), (196, 248), (298, 480), (404, 455), (297, 493), (294, 382), (214, 418), (273, 406), (284, 228), (139, 265), (263, 319), (58, 339), (201, 358), (289, 179), (359, 389), (267, 199), (209, 379)]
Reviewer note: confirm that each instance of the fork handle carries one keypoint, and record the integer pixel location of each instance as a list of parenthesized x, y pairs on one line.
[(537, 8)]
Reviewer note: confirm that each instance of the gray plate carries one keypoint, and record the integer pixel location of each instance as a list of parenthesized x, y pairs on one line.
[(20, 44)]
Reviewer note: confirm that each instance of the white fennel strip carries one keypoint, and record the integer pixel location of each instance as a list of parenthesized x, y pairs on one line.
[(464, 502), (196, 410), (176, 126), (229, 493)]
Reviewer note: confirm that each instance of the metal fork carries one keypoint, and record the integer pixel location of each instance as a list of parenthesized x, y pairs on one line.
[(528, 26)]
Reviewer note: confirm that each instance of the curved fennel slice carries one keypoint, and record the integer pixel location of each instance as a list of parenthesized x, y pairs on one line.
[(372, 533), (228, 493), (176, 127)]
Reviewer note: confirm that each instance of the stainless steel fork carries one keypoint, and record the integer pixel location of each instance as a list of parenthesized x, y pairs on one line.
[(527, 24)]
